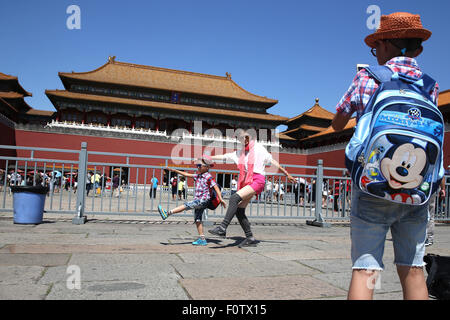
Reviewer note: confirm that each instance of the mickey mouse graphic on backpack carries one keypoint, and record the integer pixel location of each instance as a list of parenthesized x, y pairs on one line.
[(404, 169)]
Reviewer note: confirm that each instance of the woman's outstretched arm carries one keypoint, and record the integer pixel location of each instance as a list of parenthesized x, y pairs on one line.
[(276, 164)]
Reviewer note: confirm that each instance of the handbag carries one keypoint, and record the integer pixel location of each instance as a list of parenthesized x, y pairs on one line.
[(438, 280)]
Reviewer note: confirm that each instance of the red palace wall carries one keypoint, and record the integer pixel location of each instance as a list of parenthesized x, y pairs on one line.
[(447, 149), (116, 145), (7, 137), (333, 159)]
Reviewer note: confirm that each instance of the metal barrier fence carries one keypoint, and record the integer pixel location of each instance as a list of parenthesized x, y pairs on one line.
[(81, 186)]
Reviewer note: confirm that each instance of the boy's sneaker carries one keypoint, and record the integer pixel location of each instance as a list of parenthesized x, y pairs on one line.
[(200, 242), (248, 242), (218, 231), (162, 212), (428, 242)]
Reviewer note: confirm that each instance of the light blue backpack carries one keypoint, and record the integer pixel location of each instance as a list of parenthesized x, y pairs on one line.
[(395, 152)]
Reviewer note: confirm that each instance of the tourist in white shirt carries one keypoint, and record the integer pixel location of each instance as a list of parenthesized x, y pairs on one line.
[(234, 185), (269, 190), (281, 190), (251, 161)]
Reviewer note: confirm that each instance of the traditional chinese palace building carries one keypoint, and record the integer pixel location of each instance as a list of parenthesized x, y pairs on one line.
[(143, 97), (314, 120), (136, 109)]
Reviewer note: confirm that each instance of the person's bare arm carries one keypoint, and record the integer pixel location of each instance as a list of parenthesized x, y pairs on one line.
[(219, 195), (442, 191), (276, 164), (218, 157), (339, 121), (189, 175)]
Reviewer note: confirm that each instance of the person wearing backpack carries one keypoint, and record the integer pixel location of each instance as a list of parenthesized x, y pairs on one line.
[(395, 44), (204, 184)]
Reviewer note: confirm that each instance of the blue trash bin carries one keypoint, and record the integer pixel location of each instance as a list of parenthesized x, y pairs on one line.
[(29, 202)]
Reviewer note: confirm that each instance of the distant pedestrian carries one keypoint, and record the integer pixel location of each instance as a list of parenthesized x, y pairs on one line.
[(115, 185), (95, 180), (154, 183), (269, 190), (276, 190), (234, 187), (174, 185), (281, 188), (180, 188), (440, 194), (88, 182), (299, 190)]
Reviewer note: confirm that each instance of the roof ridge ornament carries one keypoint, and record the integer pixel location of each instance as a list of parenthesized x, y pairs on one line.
[(112, 59), (228, 75)]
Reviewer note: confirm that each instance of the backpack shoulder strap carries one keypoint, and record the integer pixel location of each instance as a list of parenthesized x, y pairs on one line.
[(428, 85), (209, 179), (380, 73)]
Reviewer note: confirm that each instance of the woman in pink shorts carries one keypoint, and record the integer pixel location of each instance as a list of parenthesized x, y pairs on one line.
[(251, 161)]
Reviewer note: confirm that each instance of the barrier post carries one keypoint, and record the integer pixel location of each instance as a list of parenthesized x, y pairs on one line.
[(80, 218), (318, 221)]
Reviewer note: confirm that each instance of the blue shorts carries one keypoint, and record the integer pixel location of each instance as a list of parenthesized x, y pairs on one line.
[(198, 206), (371, 218)]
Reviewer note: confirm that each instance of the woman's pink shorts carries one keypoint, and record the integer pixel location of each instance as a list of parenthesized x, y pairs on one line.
[(258, 183)]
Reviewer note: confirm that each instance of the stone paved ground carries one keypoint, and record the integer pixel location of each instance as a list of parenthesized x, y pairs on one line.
[(147, 259)]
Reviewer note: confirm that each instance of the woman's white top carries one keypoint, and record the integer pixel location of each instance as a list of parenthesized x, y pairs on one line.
[(262, 158)]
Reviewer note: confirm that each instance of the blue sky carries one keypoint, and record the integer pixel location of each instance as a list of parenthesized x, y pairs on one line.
[(293, 51)]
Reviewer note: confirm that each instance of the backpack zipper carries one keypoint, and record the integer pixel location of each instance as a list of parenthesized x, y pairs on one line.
[(411, 94)]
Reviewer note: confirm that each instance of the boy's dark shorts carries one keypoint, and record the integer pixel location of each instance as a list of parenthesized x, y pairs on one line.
[(199, 206)]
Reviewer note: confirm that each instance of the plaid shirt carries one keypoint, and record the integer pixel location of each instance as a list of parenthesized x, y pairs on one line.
[(363, 86), (203, 183)]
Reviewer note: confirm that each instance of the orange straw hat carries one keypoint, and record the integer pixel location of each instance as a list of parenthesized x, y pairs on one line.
[(398, 25)]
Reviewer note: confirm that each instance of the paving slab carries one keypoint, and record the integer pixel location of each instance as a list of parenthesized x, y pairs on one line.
[(328, 265), (156, 289), (30, 259), (307, 253), (23, 291), (20, 274), (239, 267), (125, 258), (260, 288)]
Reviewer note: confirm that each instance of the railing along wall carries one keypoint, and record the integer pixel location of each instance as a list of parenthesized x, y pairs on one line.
[(321, 194)]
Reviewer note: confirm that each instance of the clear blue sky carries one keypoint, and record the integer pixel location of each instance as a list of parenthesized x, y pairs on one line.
[(293, 51)]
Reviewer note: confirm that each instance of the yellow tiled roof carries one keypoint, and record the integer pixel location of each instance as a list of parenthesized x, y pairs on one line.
[(115, 72)]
